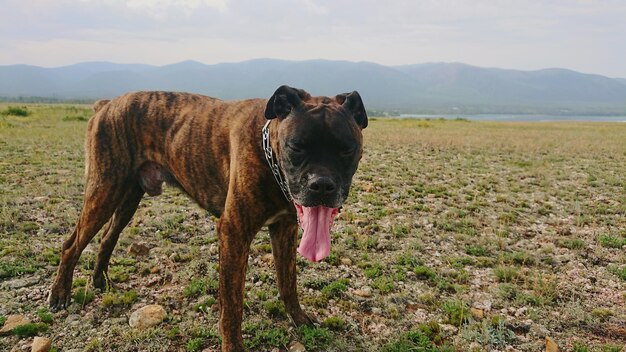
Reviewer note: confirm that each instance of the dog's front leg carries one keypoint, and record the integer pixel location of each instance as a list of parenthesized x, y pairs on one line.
[(284, 235), (235, 239)]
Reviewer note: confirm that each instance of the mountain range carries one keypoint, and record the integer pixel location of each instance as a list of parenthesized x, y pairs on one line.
[(419, 88)]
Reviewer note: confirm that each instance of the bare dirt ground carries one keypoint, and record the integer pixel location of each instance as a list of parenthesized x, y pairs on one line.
[(458, 236)]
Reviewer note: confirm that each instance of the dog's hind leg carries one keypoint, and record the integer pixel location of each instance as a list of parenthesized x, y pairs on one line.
[(101, 200), (122, 216), (284, 235)]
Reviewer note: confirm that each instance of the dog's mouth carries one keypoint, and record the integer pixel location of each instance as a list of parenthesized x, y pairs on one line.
[(316, 223)]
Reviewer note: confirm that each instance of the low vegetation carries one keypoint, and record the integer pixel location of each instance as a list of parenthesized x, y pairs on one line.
[(457, 236)]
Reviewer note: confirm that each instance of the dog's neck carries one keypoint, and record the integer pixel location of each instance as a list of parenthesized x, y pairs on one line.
[(273, 162)]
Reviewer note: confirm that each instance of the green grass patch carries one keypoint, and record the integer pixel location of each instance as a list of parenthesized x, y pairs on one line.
[(457, 312), (205, 305), (83, 296), (506, 273), (620, 272), (275, 309), (111, 299), (423, 272), (571, 243), (334, 323), (315, 338), (426, 338), (373, 271), (30, 329), (335, 288), (45, 316), (21, 111), (75, 118), (384, 284), (9, 269), (198, 287), (611, 241)]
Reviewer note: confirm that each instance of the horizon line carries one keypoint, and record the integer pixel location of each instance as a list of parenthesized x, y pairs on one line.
[(308, 60)]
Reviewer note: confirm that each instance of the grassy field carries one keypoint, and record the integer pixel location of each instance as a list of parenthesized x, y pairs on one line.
[(457, 236)]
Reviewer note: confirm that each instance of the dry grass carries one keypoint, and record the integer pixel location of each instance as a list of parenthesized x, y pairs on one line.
[(521, 222)]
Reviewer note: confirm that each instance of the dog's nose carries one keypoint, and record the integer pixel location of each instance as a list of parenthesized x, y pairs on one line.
[(322, 185)]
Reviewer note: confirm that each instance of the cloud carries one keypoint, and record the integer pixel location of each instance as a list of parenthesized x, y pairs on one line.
[(161, 9), (584, 35)]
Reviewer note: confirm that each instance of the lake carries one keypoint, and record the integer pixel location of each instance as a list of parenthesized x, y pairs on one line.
[(520, 117)]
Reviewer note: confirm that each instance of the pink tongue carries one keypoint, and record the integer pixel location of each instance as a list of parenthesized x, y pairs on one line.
[(316, 223)]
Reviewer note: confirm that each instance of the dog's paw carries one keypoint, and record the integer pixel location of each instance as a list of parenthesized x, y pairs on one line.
[(302, 318), (58, 299), (100, 282)]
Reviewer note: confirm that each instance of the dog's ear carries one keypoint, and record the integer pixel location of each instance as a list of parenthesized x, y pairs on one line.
[(353, 104), (284, 99)]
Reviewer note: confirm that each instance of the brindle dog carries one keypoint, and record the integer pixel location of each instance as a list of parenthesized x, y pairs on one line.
[(213, 151)]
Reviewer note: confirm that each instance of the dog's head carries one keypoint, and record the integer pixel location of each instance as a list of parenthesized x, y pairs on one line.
[(319, 148), (320, 143)]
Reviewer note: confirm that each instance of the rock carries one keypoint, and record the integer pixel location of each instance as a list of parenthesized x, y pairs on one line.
[(296, 346), (138, 249), (477, 313), (72, 318), (268, 258), (551, 346), (12, 322), (364, 292), (449, 329), (21, 282), (148, 316), (41, 344)]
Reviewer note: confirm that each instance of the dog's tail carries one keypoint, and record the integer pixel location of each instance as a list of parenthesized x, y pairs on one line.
[(98, 105)]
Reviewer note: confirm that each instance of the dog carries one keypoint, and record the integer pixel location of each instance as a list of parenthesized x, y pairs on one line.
[(252, 163)]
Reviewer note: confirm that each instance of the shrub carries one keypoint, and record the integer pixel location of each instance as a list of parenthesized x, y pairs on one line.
[(16, 111)]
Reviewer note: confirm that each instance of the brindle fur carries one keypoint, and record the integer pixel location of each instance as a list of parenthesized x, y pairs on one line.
[(212, 150)]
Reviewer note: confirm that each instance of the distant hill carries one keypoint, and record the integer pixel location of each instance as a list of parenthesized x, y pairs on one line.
[(420, 88)]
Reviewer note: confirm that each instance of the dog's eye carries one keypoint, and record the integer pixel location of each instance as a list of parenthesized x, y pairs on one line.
[(297, 148), (348, 151)]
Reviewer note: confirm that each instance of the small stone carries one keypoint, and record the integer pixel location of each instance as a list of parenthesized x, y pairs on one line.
[(12, 322), (148, 316), (41, 344), (551, 346), (138, 249), (346, 261), (364, 292), (72, 318), (361, 222), (477, 313), (268, 258), (520, 311), (296, 346), (449, 329)]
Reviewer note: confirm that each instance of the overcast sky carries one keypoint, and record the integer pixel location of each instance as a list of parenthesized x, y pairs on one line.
[(583, 35)]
